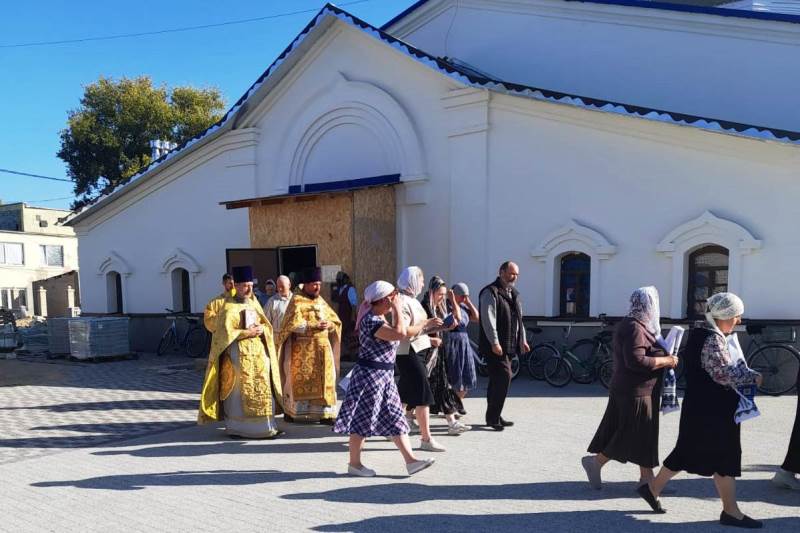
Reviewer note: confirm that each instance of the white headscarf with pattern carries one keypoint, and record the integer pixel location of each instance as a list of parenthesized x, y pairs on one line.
[(645, 308)]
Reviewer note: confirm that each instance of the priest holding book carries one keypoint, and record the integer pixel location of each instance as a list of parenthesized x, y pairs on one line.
[(242, 381), (308, 346)]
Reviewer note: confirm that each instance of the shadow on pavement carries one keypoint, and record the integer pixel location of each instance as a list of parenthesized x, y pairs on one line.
[(184, 478), (574, 521), (112, 405), (231, 447), (96, 434), (405, 493)]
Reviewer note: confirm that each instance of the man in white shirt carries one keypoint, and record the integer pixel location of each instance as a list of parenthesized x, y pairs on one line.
[(276, 306)]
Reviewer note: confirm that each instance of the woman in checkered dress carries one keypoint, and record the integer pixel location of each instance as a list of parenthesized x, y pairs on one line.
[(372, 405)]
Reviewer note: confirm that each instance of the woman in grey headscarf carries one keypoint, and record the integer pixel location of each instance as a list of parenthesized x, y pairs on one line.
[(629, 429), (708, 437), (413, 386)]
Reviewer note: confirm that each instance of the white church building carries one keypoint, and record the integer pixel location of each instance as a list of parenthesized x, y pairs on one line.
[(601, 145)]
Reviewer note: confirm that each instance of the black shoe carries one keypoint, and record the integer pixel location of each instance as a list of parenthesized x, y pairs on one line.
[(288, 419), (652, 501), (327, 421), (746, 522), (506, 423), (496, 427)]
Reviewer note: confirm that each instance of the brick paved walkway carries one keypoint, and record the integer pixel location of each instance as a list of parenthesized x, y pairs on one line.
[(194, 479)]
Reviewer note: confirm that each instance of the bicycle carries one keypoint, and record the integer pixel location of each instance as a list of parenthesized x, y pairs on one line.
[(195, 342), (583, 362), (770, 352)]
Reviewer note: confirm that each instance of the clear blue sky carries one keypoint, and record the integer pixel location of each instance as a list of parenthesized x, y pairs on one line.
[(39, 84)]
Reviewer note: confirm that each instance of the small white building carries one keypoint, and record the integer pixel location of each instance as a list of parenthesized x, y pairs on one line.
[(602, 145), (33, 247)]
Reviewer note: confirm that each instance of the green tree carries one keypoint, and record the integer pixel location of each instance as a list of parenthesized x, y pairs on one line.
[(107, 139)]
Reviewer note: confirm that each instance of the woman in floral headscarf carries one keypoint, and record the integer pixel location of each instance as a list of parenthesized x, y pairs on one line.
[(629, 428), (708, 436)]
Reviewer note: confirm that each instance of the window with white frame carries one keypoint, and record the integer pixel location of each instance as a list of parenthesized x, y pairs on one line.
[(51, 255), (13, 297), (11, 253)]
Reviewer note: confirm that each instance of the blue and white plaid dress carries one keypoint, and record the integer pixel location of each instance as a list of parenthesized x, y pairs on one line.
[(372, 405)]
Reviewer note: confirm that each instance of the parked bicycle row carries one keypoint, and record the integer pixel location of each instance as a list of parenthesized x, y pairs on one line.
[(770, 351)]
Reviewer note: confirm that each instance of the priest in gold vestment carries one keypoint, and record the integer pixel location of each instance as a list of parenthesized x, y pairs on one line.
[(308, 346), (242, 381)]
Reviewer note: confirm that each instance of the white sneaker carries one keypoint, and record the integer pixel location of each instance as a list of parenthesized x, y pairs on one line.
[(431, 446), (786, 480), (416, 466), (458, 428), (360, 472)]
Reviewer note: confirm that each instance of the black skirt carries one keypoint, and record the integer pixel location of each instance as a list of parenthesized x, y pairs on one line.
[(445, 399), (628, 431), (708, 438), (413, 385)]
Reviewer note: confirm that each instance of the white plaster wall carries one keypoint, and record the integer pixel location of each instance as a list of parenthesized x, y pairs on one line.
[(183, 213), (718, 67), (634, 182)]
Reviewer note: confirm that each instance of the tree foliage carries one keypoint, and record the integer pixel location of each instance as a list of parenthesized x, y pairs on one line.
[(107, 139)]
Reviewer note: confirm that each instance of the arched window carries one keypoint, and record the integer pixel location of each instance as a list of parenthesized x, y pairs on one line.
[(708, 274), (114, 292), (575, 284), (181, 295)]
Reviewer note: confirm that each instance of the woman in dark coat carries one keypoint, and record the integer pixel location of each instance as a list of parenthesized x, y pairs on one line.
[(708, 436), (628, 431), (785, 477)]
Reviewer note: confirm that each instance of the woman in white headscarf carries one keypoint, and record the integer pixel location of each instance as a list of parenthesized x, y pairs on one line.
[(708, 438), (414, 388), (628, 431), (372, 406)]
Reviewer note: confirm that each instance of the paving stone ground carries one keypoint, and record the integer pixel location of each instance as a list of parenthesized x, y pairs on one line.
[(114, 448)]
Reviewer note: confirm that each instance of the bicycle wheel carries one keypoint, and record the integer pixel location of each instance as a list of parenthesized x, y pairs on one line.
[(606, 372), (167, 341), (480, 361), (557, 371), (539, 354), (778, 364), (515, 366), (197, 342), (585, 350)]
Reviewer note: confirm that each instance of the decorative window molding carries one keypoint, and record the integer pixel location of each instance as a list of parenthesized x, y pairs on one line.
[(707, 229), (113, 262), (572, 237), (357, 103), (180, 259)]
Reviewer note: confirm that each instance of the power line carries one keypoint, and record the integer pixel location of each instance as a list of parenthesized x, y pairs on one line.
[(171, 30), (47, 200), (28, 174)]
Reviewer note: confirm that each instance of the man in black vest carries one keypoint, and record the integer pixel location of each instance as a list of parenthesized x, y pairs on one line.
[(502, 334)]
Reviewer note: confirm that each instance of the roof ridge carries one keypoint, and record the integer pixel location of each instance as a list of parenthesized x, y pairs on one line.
[(453, 71)]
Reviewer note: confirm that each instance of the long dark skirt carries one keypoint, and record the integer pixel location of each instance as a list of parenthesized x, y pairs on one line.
[(709, 440), (629, 429), (413, 385), (445, 399)]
